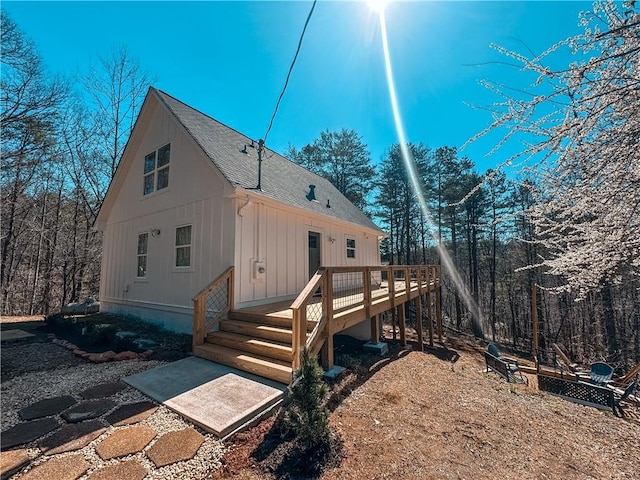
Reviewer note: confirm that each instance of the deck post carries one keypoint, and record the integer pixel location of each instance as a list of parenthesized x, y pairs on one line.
[(199, 313), (437, 272), (375, 328), (391, 283), (403, 325), (418, 301), (230, 291), (327, 307), (419, 310), (367, 292), (407, 282), (429, 307), (296, 325)]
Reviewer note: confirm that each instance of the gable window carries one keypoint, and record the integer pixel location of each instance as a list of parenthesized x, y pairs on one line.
[(183, 246), (351, 248), (143, 243), (156, 169)]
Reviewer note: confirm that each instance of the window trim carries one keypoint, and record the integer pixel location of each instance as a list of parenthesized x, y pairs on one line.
[(154, 173), (140, 255), (350, 249), (182, 268)]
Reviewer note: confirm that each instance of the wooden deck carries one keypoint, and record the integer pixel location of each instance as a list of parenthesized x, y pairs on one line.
[(267, 339), (348, 309)]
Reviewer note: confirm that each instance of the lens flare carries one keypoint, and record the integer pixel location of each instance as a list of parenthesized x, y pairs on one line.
[(409, 163), (377, 6)]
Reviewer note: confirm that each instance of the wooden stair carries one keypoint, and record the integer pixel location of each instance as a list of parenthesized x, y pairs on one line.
[(257, 344)]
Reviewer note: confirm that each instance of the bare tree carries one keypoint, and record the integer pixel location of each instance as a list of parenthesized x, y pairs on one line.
[(116, 88), (28, 110)]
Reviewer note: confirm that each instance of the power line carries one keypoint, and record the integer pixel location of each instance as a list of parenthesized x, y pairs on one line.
[(295, 57)]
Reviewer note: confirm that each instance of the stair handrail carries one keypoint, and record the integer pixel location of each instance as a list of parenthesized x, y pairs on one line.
[(200, 305), (425, 276), (299, 308)]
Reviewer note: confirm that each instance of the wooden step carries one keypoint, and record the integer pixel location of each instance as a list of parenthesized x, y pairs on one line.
[(265, 348), (257, 330), (273, 320), (265, 367)]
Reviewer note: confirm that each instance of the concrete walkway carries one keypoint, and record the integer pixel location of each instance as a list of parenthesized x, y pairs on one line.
[(217, 398)]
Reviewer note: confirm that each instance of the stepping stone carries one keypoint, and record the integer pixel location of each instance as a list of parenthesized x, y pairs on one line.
[(103, 390), (72, 437), (47, 407), (69, 467), (88, 410), (27, 432), (125, 442), (12, 461), (175, 447), (131, 470), (131, 413)]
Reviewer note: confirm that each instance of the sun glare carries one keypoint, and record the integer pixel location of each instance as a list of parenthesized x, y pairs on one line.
[(377, 6), (409, 162)]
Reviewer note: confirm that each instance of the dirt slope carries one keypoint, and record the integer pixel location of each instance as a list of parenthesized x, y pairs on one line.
[(422, 416)]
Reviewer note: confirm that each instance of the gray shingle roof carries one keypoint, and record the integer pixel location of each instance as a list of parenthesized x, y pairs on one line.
[(282, 179)]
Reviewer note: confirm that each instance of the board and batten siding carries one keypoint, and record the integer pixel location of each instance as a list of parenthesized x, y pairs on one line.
[(278, 238), (197, 195)]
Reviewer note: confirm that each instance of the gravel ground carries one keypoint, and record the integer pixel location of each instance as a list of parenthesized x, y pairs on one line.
[(42, 370)]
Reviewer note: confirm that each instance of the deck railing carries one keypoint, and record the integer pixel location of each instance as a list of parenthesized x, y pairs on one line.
[(336, 297), (211, 304)]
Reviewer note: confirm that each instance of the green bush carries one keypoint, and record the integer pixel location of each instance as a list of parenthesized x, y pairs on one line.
[(307, 414), (102, 334), (57, 321)]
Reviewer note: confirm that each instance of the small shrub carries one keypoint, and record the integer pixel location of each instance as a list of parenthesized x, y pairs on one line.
[(123, 344), (308, 415), (56, 320), (102, 334)]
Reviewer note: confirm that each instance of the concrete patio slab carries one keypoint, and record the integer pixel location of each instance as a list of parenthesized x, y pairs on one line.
[(215, 397), (14, 334)]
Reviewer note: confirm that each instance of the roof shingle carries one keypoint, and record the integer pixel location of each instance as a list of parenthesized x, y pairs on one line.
[(282, 180)]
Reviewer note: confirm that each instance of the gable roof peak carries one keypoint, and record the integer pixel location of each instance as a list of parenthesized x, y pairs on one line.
[(281, 179)]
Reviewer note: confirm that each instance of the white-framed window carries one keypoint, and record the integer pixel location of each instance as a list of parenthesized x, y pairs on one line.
[(143, 245), (156, 169), (351, 247), (183, 246)]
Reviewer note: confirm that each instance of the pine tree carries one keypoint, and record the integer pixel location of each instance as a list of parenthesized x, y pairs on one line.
[(308, 415)]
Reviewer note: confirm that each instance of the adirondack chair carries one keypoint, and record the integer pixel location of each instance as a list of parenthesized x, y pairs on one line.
[(504, 366), (634, 372), (600, 373), (630, 390)]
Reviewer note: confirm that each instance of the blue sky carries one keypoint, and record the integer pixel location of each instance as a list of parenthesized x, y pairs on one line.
[(230, 60)]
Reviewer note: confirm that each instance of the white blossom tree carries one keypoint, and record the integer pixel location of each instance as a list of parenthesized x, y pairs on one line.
[(582, 126)]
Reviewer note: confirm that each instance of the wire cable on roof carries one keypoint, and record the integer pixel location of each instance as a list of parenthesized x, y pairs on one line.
[(295, 57)]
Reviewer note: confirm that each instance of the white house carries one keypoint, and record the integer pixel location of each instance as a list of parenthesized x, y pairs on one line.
[(183, 207)]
